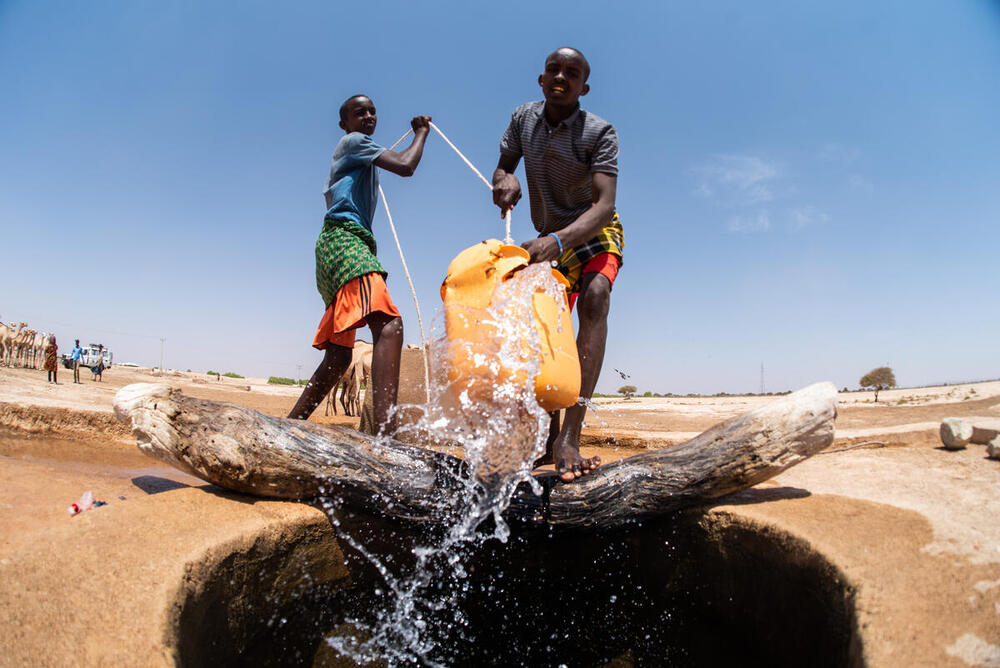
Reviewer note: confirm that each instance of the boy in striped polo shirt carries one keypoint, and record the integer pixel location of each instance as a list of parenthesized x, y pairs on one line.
[(571, 163), (348, 274)]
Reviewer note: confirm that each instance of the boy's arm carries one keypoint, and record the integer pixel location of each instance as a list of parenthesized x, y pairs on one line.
[(604, 187), (405, 162), (506, 189)]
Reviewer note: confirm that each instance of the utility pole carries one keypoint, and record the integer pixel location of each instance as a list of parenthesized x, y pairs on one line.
[(162, 341), (298, 372)]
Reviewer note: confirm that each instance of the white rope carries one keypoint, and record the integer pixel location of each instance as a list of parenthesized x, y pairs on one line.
[(408, 133), (507, 238), (413, 291), (464, 159)]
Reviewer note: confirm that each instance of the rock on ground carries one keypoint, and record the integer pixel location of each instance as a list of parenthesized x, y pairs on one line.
[(955, 433), (993, 448)]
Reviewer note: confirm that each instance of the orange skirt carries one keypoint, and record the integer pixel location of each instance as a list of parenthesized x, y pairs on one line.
[(356, 300)]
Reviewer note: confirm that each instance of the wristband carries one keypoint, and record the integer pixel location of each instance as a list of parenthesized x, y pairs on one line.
[(558, 240)]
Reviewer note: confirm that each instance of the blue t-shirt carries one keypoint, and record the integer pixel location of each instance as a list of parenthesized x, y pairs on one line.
[(352, 189), (75, 353)]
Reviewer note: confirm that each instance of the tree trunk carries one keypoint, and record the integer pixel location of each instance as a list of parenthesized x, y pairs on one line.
[(246, 451)]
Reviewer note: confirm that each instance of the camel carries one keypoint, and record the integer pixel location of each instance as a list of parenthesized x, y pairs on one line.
[(28, 337), (23, 347), (7, 338), (351, 381), (14, 343), (5, 332), (342, 385), (4, 336), (360, 374), (351, 390), (37, 349)]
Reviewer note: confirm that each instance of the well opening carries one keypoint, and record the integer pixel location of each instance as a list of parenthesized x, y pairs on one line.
[(695, 589)]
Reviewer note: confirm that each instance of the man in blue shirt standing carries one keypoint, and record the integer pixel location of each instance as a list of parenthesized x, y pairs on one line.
[(75, 357)]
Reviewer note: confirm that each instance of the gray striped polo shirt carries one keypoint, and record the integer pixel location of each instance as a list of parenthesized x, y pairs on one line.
[(559, 161)]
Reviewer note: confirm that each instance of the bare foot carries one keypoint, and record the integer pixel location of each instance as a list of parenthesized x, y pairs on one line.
[(569, 464)]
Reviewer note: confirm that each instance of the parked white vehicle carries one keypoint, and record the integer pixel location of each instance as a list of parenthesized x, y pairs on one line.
[(91, 354)]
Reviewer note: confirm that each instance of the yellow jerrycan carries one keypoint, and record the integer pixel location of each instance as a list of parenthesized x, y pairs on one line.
[(467, 293)]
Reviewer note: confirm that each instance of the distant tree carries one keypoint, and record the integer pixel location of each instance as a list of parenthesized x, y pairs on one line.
[(878, 379), (627, 390)]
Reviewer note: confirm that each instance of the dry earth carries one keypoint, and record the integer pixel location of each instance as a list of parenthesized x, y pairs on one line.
[(913, 528)]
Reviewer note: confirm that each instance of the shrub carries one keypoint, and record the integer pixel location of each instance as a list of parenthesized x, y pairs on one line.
[(279, 380), (230, 374)]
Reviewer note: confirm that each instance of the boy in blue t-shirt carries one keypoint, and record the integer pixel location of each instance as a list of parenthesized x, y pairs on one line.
[(348, 274)]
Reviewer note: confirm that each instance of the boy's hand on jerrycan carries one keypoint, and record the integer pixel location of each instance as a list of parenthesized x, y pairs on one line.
[(421, 124), (542, 249)]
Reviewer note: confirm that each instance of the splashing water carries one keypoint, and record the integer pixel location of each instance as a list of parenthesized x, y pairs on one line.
[(500, 429)]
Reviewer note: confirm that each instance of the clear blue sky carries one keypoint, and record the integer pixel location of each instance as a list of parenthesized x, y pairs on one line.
[(814, 188)]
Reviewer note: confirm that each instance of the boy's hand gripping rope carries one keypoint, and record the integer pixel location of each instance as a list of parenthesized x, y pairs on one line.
[(507, 240)]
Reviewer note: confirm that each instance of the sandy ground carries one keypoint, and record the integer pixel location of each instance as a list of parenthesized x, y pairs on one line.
[(632, 424), (916, 526)]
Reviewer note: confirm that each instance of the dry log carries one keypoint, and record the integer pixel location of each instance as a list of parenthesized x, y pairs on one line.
[(246, 451), (731, 456)]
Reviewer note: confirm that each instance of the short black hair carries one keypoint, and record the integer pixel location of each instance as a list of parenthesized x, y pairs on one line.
[(343, 107), (586, 63)]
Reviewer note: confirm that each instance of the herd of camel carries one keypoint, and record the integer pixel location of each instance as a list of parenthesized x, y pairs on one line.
[(25, 347), (358, 374), (21, 346)]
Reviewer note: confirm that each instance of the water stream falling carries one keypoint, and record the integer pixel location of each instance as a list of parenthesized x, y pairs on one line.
[(498, 428)]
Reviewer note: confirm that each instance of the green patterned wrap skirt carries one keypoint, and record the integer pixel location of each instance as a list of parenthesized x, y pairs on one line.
[(345, 250)]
